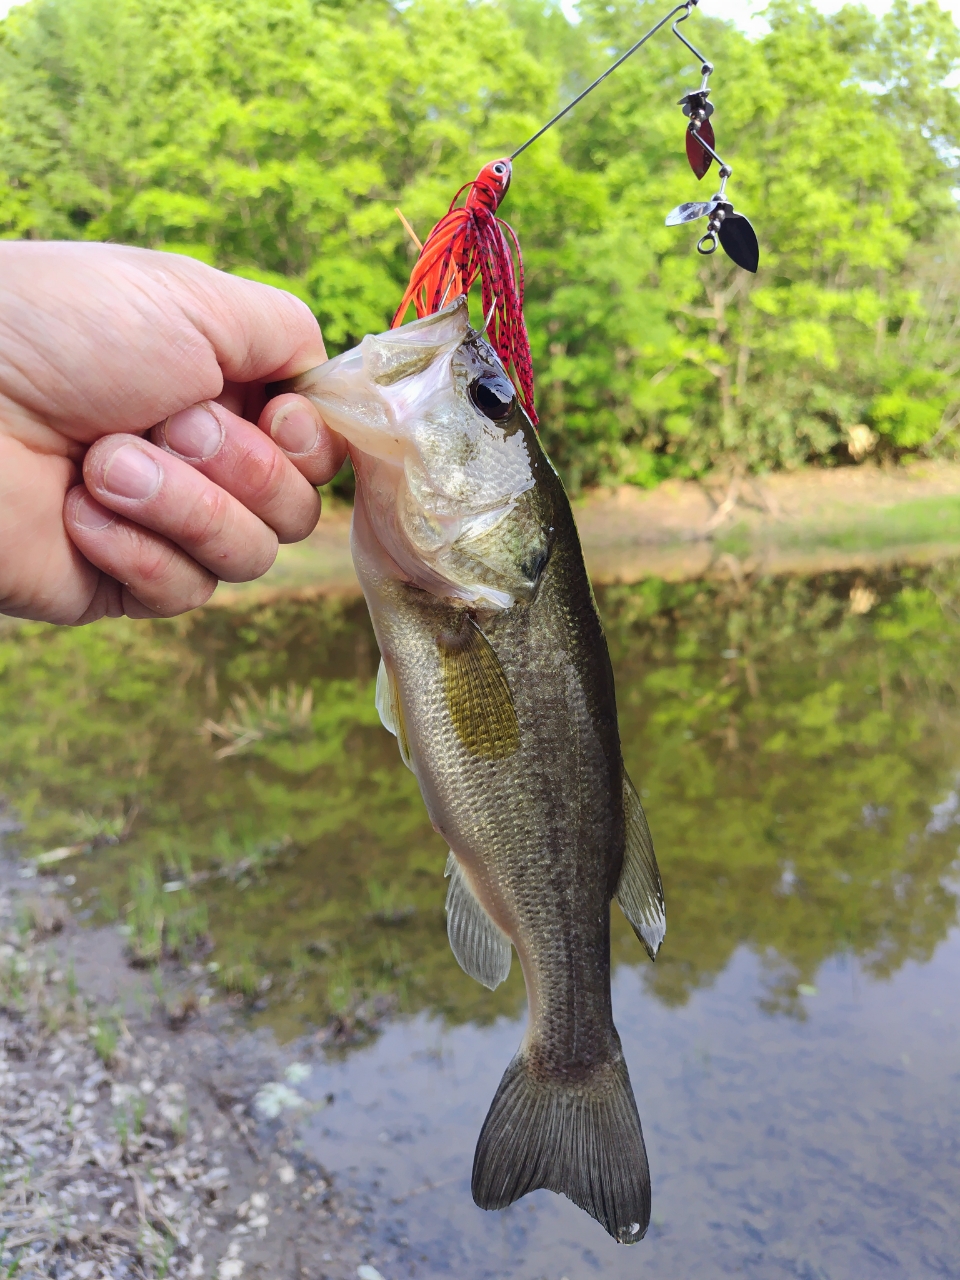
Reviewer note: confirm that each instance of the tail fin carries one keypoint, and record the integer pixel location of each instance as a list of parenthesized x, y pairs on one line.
[(582, 1139)]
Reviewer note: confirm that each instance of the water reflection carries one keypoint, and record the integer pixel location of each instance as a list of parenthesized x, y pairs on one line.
[(818, 1149), (793, 749), (797, 743)]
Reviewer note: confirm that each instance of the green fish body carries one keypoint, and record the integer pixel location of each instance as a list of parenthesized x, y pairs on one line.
[(496, 680)]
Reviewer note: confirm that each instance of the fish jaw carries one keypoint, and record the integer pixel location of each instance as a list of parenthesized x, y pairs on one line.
[(370, 394), (366, 394)]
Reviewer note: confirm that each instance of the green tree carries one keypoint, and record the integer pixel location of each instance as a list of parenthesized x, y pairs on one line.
[(275, 137)]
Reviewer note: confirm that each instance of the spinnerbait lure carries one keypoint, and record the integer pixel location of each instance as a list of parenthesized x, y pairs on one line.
[(471, 240), (732, 230)]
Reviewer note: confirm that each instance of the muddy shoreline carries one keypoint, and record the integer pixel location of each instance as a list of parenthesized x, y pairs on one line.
[(808, 522)]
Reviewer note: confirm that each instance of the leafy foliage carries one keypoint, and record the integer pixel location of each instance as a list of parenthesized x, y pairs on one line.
[(274, 138)]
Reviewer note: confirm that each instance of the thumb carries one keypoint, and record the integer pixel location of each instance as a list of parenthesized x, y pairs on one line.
[(257, 332)]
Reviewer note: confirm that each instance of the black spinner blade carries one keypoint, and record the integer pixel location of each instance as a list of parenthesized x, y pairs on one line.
[(739, 241)]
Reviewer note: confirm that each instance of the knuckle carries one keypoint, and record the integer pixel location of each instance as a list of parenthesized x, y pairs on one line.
[(286, 499), (207, 518), (139, 602), (277, 493), (224, 534), (191, 596), (201, 591), (157, 563), (266, 476)]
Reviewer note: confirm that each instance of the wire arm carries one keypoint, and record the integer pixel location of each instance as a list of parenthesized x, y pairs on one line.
[(686, 6), (705, 64)]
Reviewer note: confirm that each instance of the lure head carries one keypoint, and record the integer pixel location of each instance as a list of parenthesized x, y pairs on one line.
[(492, 184)]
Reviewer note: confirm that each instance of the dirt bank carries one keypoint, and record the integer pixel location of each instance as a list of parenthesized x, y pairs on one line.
[(142, 1127), (807, 522)]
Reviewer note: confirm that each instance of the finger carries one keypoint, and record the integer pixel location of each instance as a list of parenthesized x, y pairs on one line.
[(42, 574), (257, 332), (162, 493), (106, 601), (296, 426), (239, 458), (152, 578)]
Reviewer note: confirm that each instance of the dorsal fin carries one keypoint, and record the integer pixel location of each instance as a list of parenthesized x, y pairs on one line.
[(481, 947), (640, 891)]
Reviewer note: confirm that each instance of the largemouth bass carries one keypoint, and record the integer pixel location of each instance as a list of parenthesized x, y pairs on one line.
[(496, 680)]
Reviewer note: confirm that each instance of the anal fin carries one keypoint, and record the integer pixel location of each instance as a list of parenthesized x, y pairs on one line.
[(640, 891), (390, 710), (481, 947)]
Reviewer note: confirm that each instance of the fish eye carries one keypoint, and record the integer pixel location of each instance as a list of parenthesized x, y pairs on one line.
[(498, 169), (494, 397)]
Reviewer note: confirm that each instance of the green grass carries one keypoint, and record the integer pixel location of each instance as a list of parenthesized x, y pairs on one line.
[(105, 1036), (920, 521)]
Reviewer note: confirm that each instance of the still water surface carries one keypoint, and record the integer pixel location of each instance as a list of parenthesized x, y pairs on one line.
[(795, 1048)]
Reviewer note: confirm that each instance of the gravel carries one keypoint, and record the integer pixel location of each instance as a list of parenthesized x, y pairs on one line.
[(128, 1149)]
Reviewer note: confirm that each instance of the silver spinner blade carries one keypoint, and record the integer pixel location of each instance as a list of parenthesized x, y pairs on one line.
[(690, 212)]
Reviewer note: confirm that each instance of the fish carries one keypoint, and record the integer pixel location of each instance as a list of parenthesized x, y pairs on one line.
[(496, 681)]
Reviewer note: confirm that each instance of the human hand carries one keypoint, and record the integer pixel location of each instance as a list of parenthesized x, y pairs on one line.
[(98, 345)]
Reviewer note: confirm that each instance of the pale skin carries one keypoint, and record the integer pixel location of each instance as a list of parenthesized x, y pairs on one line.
[(140, 460)]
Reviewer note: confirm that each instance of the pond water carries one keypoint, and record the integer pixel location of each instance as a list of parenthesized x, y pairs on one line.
[(231, 798)]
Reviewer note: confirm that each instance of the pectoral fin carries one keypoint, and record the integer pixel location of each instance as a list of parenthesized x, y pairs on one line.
[(391, 712), (481, 947), (477, 694), (640, 892)]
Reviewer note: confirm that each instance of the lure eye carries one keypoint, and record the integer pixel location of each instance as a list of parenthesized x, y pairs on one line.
[(494, 397), (499, 170)]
